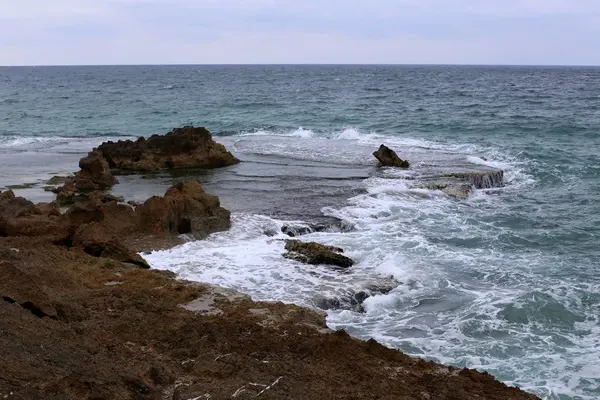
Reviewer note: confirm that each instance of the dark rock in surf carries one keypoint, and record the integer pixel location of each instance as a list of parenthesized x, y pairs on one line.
[(388, 158), (316, 253), (300, 229), (96, 241), (183, 147)]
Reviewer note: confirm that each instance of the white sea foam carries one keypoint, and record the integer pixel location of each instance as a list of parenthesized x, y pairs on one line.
[(463, 299)]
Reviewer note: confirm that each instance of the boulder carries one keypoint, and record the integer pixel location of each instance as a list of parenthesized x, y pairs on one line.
[(183, 147), (316, 253), (388, 158), (185, 209), (17, 286), (20, 217), (94, 175), (96, 241)]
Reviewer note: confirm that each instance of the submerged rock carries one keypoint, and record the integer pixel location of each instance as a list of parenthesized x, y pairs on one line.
[(388, 158), (183, 147), (316, 253)]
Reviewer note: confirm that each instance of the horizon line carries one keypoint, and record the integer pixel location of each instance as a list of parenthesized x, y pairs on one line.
[(303, 64)]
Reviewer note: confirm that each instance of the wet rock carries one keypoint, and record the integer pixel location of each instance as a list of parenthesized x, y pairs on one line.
[(388, 158), (94, 239), (185, 209), (17, 286), (94, 175), (299, 229), (183, 147), (316, 253), (481, 179)]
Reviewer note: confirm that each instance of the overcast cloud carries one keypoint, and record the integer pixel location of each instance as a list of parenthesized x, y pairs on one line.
[(58, 32)]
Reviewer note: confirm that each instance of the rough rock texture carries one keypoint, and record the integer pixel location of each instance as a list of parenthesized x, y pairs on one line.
[(316, 253), (183, 147), (94, 239), (122, 333), (388, 158), (20, 217), (17, 286), (482, 179), (107, 229), (185, 209), (94, 175)]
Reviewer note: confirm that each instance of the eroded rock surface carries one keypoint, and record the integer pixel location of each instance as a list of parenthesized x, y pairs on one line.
[(183, 147), (94, 175), (388, 158), (316, 253)]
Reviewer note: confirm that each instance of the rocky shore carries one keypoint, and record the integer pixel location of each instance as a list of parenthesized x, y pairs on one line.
[(83, 317)]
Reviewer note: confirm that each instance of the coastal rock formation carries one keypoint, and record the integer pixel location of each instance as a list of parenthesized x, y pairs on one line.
[(17, 286), (185, 209), (388, 158), (105, 228), (20, 217), (94, 239), (316, 253), (481, 179), (94, 175), (183, 147)]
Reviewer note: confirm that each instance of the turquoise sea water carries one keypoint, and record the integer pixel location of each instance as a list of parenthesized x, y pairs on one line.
[(507, 281)]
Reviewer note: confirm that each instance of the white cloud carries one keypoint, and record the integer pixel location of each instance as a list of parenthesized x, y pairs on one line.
[(310, 31)]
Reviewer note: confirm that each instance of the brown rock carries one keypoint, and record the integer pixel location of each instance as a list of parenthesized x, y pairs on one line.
[(20, 217), (16, 286), (185, 209), (183, 147), (316, 253), (94, 175), (96, 241), (388, 158)]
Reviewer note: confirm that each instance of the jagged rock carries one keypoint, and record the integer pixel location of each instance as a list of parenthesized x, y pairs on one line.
[(481, 179), (17, 286), (316, 253), (94, 239), (388, 158), (20, 217), (185, 209), (94, 176), (299, 229), (183, 147)]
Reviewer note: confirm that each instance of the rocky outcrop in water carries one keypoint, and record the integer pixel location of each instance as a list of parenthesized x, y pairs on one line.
[(94, 175), (299, 228), (183, 147), (185, 209), (461, 184), (316, 253), (388, 158)]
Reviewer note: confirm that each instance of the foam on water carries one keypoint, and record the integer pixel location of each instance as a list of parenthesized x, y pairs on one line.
[(466, 298)]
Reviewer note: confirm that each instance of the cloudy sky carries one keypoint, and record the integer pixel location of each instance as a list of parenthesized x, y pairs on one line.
[(59, 32)]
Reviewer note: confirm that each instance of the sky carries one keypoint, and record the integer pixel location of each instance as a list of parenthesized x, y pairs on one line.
[(86, 32)]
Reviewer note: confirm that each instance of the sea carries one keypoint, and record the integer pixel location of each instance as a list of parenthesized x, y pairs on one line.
[(506, 281)]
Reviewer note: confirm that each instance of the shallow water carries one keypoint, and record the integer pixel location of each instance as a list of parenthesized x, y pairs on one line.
[(506, 281)]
